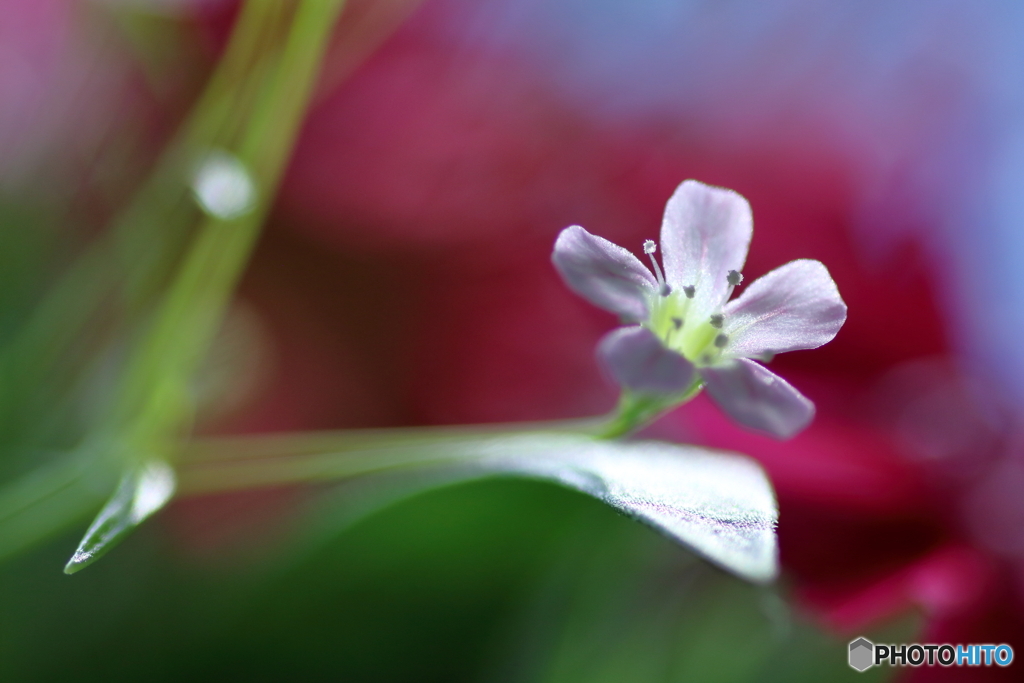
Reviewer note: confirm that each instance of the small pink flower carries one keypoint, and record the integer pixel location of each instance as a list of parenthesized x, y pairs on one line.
[(687, 333)]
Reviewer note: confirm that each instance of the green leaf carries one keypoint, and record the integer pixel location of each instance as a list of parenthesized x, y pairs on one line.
[(142, 491), (719, 504), (619, 609)]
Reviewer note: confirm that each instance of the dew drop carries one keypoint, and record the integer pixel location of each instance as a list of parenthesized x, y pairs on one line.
[(223, 187)]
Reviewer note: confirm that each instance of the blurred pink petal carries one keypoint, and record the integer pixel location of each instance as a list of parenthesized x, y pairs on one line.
[(941, 584)]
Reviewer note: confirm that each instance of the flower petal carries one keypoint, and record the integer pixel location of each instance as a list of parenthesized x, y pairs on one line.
[(796, 306), (705, 234), (637, 360), (757, 398), (603, 273)]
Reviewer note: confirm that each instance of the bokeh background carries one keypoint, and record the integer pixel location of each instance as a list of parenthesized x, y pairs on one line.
[(404, 279)]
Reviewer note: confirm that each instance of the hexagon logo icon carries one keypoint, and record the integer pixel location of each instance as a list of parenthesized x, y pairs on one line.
[(862, 652)]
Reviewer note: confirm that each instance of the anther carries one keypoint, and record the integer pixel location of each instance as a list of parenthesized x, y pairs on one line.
[(716, 321), (649, 248), (677, 323), (721, 340), (734, 278), (689, 291)]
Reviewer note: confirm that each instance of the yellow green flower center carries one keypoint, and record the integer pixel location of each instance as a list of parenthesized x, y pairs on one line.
[(696, 336), (673, 320)]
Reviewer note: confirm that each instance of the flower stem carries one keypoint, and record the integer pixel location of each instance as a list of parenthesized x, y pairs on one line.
[(232, 463), (638, 410)]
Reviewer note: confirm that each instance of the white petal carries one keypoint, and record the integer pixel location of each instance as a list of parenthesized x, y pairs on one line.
[(705, 234), (757, 398), (603, 273), (796, 306)]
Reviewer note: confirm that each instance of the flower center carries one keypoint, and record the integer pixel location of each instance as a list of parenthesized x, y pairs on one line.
[(699, 339), (673, 319)]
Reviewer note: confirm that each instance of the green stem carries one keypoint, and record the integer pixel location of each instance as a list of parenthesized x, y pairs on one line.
[(638, 410), (155, 406), (132, 262), (228, 463), (141, 233), (228, 448), (224, 464), (253, 104)]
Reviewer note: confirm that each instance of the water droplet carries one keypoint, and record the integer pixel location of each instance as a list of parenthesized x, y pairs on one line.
[(155, 487), (223, 187)]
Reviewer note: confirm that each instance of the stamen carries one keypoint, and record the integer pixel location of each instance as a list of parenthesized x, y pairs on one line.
[(716, 321), (734, 278), (721, 340), (677, 323), (649, 248), (689, 291)]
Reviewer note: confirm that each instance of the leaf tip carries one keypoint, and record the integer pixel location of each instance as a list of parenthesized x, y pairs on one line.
[(80, 560)]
